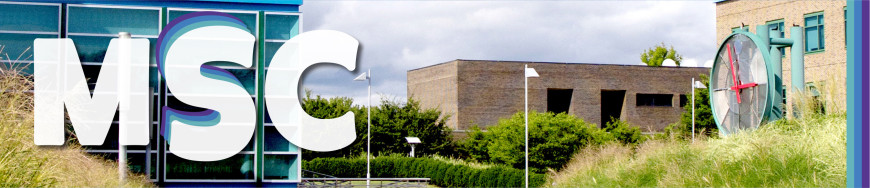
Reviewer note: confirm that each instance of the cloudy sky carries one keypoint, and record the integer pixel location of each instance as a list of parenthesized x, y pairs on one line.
[(397, 36)]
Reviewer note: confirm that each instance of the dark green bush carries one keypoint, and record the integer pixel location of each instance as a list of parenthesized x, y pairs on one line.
[(553, 139), (441, 173), (623, 132)]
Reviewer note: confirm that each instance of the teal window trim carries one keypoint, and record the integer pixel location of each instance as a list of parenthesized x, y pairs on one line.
[(780, 24), (819, 26)]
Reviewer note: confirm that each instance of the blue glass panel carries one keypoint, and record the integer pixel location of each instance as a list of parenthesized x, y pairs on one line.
[(113, 20), (811, 21), (280, 167), (270, 49), (29, 17), (281, 26), (153, 79), (812, 37), (274, 141), (240, 166), (91, 49), (19, 46), (250, 19)]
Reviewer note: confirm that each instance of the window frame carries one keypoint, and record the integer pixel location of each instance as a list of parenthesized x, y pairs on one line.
[(820, 26), (781, 25)]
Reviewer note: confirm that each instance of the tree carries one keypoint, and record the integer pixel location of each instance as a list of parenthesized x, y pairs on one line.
[(391, 122), (657, 54), (703, 113)]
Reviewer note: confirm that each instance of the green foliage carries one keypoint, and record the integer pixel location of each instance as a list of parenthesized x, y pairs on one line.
[(553, 139), (391, 123), (657, 54), (625, 133), (441, 173), (704, 123)]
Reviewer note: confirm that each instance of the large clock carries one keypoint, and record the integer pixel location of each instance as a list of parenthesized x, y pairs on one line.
[(741, 84)]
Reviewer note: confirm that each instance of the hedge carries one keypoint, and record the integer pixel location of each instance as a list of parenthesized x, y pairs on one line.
[(441, 173)]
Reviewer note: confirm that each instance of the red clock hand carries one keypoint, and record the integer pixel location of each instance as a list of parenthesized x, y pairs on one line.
[(744, 86), (733, 74)]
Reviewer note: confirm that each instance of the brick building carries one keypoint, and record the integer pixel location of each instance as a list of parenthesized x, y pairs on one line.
[(824, 25), (480, 93)]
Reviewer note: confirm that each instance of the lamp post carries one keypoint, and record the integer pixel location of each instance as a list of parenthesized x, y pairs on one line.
[(530, 73), (367, 76), (124, 91), (695, 85)]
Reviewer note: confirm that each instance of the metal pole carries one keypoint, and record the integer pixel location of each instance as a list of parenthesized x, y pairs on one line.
[(797, 66), (122, 130), (527, 124), (369, 134), (693, 110)]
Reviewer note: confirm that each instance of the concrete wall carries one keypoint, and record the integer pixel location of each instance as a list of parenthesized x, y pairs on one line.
[(487, 91), (828, 66)]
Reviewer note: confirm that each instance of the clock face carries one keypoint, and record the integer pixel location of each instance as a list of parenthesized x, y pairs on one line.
[(740, 85)]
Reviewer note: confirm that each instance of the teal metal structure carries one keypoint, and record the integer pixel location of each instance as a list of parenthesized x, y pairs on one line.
[(769, 43)]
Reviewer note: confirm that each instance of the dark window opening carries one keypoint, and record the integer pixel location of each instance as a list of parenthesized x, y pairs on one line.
[(655, 99), (559, 100), (684, 100), (611, 105)]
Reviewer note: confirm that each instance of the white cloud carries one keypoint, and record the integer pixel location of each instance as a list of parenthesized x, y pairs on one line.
[(397, 36)]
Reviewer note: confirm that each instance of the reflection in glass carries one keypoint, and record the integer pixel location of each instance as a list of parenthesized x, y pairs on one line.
[(19, 45), (240, 166), (281, 26)]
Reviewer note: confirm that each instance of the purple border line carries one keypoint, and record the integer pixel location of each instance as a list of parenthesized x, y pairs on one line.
[(865, 182)]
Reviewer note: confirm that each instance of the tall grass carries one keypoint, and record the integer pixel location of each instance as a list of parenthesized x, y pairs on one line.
[(809, 152), (23, 164)]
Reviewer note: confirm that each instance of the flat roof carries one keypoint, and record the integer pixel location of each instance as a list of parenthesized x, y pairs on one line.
[(544, 62), (257, 5)]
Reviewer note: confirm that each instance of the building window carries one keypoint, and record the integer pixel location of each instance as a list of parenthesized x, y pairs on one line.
[(684, 100), (814, 32), (655, 99), (559, 100), (779, 26)]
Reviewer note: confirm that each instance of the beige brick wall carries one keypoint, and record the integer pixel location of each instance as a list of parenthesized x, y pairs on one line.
[(491, 90), (828, 66), (435, 87)]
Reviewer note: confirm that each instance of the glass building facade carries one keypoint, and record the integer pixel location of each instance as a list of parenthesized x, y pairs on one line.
[(268, 159)]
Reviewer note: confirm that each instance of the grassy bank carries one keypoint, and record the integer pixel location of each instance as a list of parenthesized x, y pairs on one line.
[(23, 164), (808, 152)]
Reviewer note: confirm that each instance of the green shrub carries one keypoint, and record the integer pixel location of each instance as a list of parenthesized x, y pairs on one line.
[(441, 173), (704, 123), (392, 121), (623, 132), (553, 139)]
